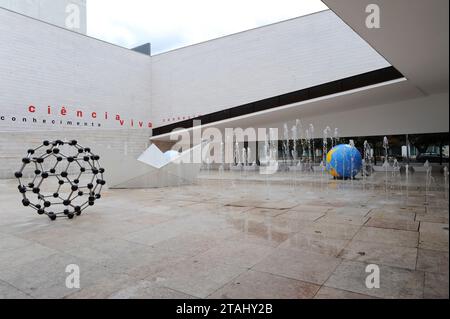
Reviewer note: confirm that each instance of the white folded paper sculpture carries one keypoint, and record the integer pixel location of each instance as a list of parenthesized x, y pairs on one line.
[(152, 169)]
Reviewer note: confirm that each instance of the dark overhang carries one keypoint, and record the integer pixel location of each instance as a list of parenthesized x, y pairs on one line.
[(346, 84)]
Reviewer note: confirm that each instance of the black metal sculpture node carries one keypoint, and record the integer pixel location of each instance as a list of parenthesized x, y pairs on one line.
[(60, 179)]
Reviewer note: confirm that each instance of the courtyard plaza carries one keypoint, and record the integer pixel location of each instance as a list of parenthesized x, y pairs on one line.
[(236, 235)]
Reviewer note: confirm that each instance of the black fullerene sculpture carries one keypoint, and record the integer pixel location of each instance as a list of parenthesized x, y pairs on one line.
[(60, 179)]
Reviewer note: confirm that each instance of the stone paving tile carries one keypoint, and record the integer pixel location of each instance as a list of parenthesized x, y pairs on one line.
[(436, 286), (15, 252), (148, 290), (315, 243), (189, 244), (10, 243), (394, 282), (266, 225), (142, 263), (432, 261), (337, 231), (201, 223), (104, 287), (106, 227), (391, 223), (332, 293), (282, 204), (158, 233), (304, 266), (419, 209), (8, 291), (63, 237), (434, 228), (216, 208), (18, 227), (228, 230), (244, 203), (158, 209), (336, 202), (311, 208), (46, 278), (381, 254), (299, 215), (438, 209), (335, 218), (416, 203), (182, 203), (397, 214), (261, 236), (434, 236), (196, 278), (237, 253), (105, 251), (149, 219), (265, 212), (131, 237), (350, 211), (433, 217), (259, 285), (388, 236), (231, 211), (433, 242)]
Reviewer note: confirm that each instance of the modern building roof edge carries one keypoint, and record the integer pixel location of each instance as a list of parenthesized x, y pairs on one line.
[(165, 52), (240, 32), (74, 32)]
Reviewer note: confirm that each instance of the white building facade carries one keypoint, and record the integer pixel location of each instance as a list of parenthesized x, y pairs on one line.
[(57, 84), (69, 14)]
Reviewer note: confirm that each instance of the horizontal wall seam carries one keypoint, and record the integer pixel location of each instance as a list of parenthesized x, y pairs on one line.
[(338, 86)]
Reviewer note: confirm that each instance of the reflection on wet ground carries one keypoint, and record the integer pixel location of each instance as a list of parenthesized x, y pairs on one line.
[(236, 235)]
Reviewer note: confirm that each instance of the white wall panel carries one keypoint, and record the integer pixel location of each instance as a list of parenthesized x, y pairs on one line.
[(51, 11), (257, 64), (42, 65), (423, 115)]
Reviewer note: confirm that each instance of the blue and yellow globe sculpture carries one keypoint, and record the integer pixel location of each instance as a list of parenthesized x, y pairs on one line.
[(344, 161)]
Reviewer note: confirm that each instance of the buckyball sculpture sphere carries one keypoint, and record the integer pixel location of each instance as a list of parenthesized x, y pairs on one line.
[(344, 161), (60, 179)]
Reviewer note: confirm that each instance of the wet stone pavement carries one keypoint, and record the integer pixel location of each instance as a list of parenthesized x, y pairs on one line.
[(234, 236)]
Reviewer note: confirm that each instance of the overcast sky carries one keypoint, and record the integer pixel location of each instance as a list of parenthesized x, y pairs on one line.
[(170, 24)]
